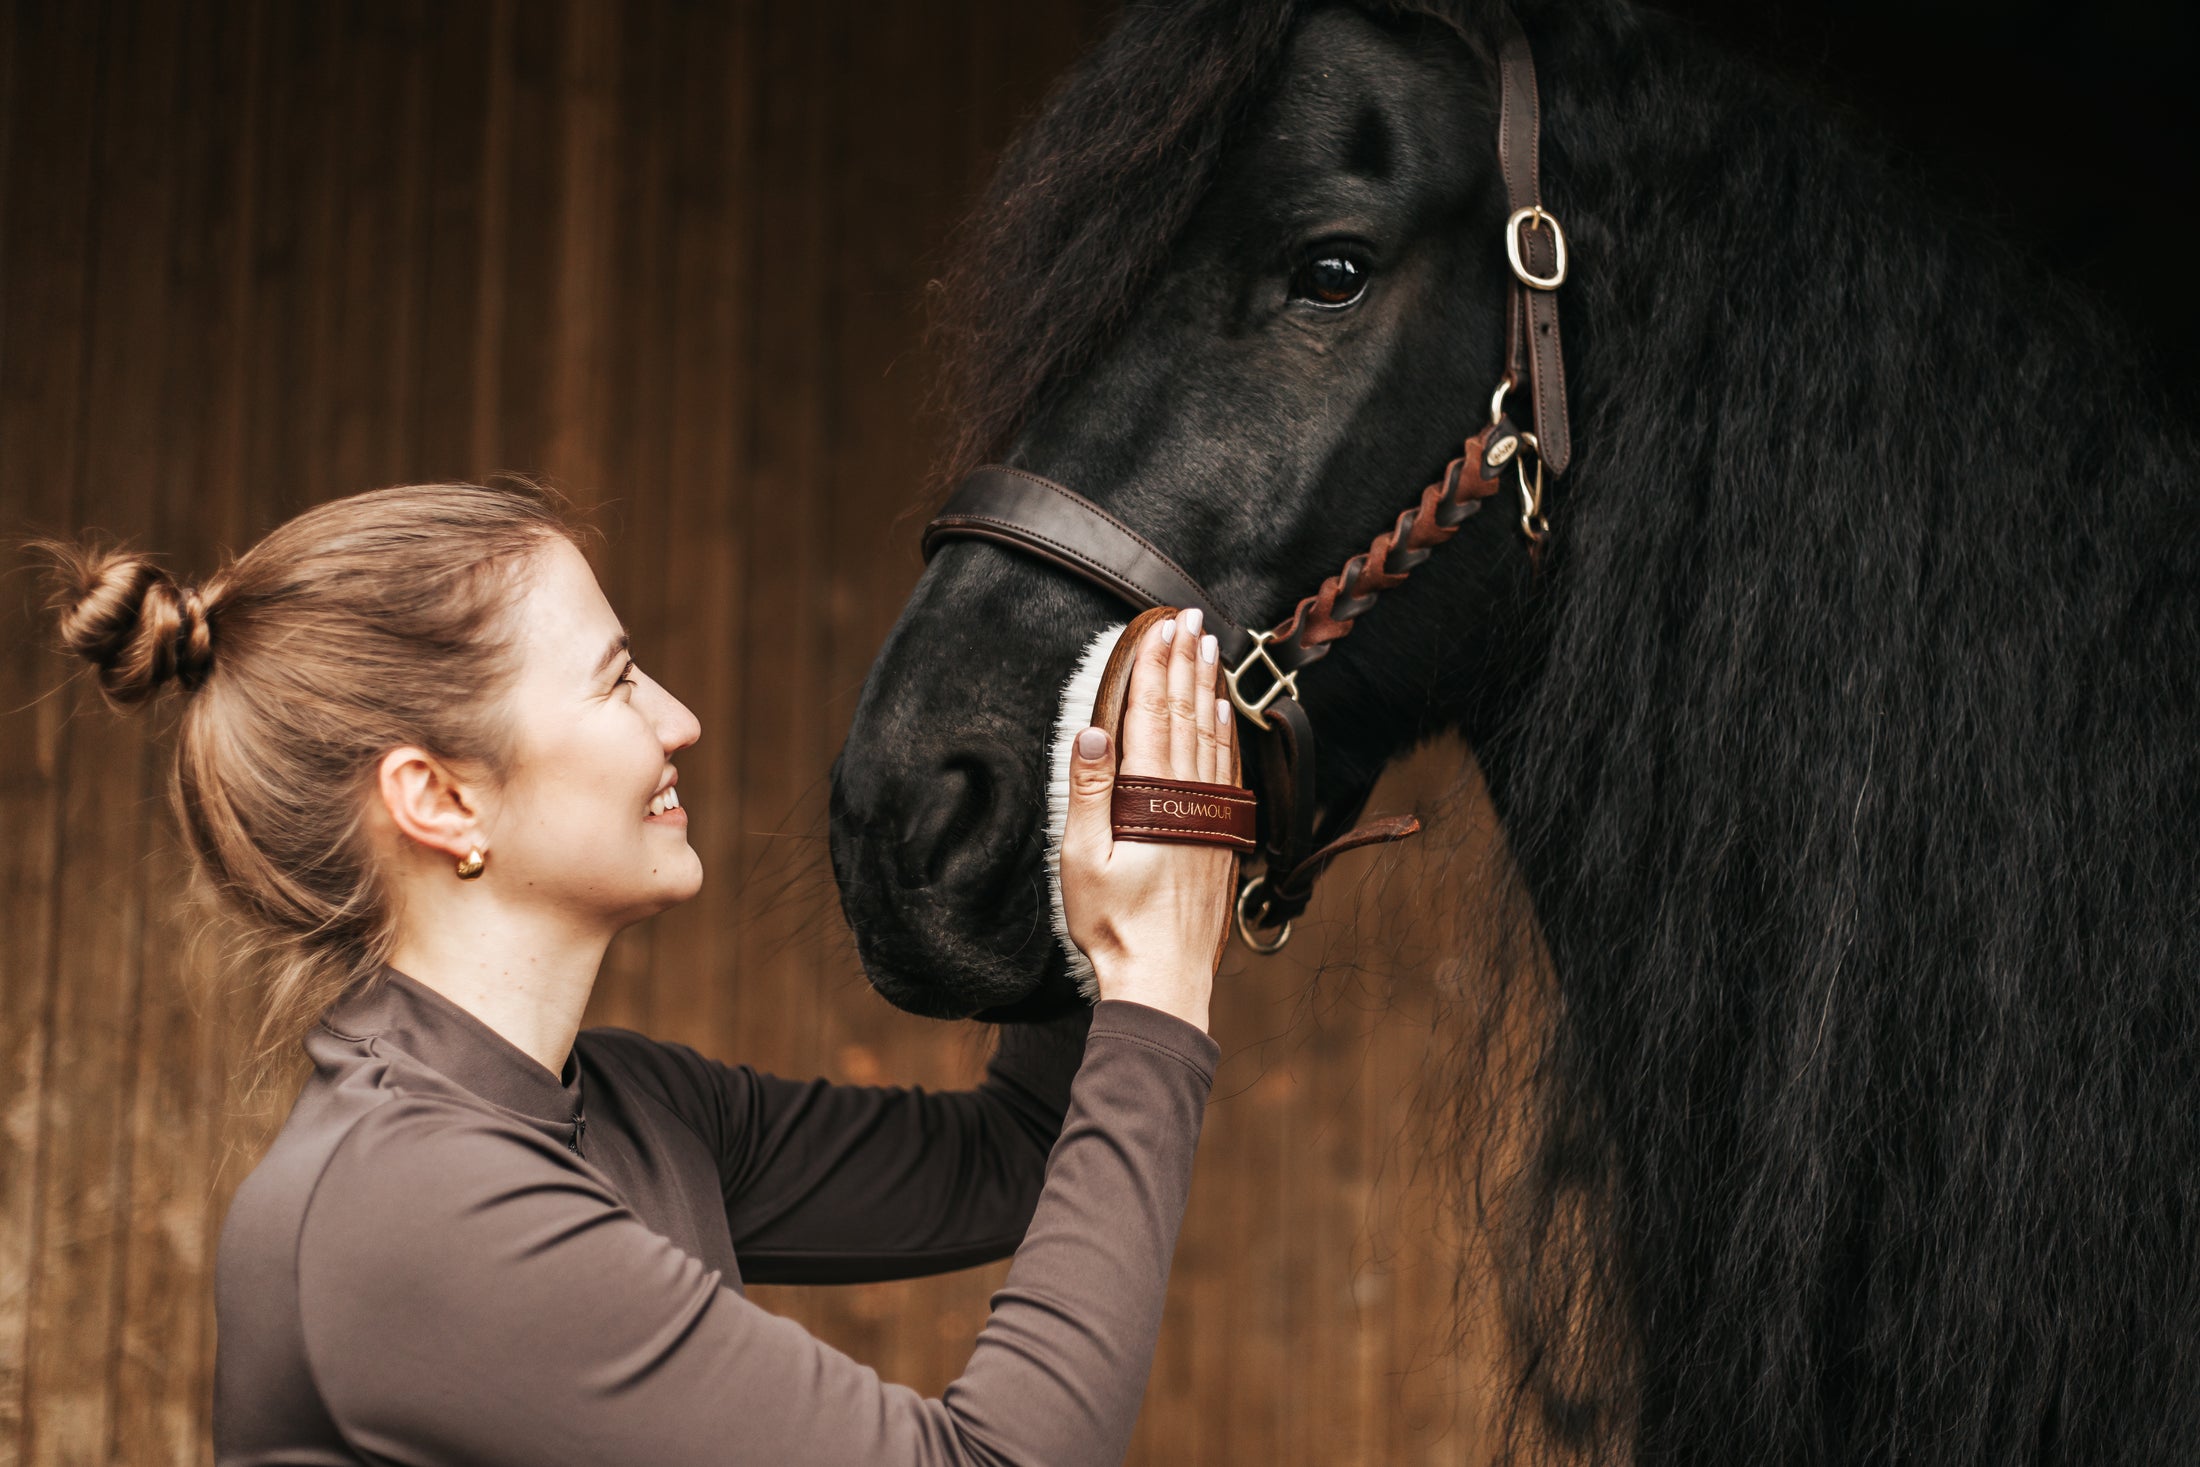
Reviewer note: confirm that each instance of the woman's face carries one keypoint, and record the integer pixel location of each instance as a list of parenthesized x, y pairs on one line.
[(585, 821)]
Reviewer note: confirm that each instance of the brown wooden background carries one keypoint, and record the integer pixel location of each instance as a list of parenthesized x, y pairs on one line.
[(672, 255)]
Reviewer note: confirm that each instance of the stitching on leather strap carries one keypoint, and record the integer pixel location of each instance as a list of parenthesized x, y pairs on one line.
[(1068, 551), (1083, 503), (1088, 507), (1190, 788)]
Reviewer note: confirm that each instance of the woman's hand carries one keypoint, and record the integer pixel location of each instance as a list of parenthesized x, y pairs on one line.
[(1152, 916)]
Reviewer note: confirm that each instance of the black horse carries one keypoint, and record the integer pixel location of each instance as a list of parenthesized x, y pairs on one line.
[(1845, 747)]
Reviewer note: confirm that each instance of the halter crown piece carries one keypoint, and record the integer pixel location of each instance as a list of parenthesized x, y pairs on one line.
[(1042, 519)]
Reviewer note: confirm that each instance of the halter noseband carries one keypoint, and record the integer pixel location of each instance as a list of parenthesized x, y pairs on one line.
[(1062, 528)]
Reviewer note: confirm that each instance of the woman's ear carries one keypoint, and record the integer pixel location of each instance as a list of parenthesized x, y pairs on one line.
[(428, 803)]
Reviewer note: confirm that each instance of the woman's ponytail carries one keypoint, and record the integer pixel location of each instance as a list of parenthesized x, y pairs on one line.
[(130, 619)]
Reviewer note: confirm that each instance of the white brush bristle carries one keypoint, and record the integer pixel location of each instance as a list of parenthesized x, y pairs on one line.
[(1072, 718)]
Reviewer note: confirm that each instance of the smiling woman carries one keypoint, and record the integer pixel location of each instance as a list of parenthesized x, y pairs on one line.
[(369, 623), (418, 760)]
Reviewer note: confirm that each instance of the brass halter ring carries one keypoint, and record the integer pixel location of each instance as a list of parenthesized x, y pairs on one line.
[(1245, 919), (1534, 217)]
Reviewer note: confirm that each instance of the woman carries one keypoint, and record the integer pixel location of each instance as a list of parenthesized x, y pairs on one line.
[(418, 760)]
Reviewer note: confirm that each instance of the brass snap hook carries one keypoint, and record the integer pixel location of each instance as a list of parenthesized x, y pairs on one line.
[(1533, 524)]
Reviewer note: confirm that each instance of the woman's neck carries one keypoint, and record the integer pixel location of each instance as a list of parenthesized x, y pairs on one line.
[(524, 973)]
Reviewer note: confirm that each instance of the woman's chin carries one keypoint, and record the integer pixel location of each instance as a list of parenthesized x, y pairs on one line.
[(672, 874), (684, 879), (679, 872)]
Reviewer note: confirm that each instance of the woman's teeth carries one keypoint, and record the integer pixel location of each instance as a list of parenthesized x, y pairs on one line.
[(669, 800)]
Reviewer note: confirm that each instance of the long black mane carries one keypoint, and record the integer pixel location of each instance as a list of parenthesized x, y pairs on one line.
[(1850, 767)]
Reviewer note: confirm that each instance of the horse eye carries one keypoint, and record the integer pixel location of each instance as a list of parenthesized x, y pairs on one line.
[(1331, 280)]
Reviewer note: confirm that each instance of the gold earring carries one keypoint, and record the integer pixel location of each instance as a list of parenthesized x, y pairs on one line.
[(472, 864)]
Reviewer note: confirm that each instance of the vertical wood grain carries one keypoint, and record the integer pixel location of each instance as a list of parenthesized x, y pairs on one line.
[(84, 1224), (52, 109), (779, 737), (162, 1348)]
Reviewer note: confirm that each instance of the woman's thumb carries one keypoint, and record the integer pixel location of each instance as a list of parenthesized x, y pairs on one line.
[(1089, 825)]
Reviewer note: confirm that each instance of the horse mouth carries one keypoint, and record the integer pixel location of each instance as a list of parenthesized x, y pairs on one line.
[(967, 938)]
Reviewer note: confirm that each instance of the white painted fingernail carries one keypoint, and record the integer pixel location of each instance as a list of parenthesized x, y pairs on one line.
[(1222, 713), (1168, 631), (1206, 649), (1192, 620)]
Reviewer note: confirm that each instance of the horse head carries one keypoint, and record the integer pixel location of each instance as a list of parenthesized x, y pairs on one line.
[(1320, 337)]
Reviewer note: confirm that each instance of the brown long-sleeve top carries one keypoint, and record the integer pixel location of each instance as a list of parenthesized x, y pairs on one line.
[(452, 1256)]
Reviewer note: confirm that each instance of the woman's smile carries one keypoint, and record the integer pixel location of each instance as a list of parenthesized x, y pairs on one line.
[(664, 806)]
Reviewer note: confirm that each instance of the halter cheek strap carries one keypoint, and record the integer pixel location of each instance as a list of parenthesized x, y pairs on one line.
[(1535, 248), (1038, 517)]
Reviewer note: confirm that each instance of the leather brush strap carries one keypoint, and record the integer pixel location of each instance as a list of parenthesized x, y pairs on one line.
[(1182, 810), (1148, 807)]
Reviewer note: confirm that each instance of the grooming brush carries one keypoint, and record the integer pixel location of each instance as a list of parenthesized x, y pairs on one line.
[(1144, 807)]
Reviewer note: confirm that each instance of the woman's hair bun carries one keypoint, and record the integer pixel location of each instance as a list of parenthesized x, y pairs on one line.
[(129, 618)]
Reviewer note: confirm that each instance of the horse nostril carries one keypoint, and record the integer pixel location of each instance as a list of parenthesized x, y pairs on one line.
[(942, 836)]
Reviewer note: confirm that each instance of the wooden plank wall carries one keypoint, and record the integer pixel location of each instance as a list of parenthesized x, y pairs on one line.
[(256, 253)]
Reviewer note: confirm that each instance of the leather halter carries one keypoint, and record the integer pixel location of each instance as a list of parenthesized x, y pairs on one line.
[(1042, 519)]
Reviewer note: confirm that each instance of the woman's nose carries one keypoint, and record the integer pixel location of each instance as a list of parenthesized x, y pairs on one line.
[(678, 728)]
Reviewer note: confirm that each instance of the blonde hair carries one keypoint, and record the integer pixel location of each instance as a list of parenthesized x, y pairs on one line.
[(361, 625)]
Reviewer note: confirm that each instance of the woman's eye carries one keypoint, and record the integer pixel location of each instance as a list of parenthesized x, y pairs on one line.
[(1331, 280), (627, 677)]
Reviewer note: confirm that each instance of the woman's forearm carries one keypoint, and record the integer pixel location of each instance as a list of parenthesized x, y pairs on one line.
[(1061, 1366)]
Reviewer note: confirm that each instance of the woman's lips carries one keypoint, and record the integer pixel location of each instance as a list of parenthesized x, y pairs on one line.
[(664, 806)]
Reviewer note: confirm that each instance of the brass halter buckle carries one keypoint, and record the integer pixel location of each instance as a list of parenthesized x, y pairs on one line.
[(1534, 217), (1281, 682)]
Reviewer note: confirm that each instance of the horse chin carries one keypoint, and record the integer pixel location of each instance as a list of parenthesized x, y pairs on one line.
[(1053, 996), (946, 953), (982, 986)]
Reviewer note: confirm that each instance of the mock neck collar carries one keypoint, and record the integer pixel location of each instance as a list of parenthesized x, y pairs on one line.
[(407, 1015)]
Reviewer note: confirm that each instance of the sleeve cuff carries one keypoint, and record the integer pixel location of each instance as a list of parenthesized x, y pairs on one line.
[(1149, 1026)]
